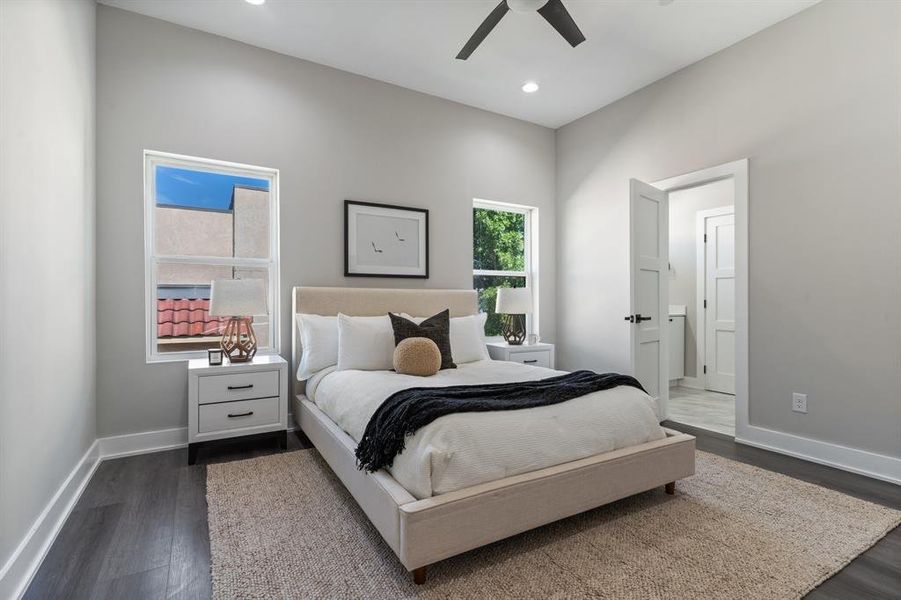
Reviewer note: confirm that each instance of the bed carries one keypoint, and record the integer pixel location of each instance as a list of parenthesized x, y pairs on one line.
[(427, 513)]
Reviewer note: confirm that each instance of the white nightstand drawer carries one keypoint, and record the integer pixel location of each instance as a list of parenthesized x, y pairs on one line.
[(237, 386), (536, 359), (234, 415), (257, 400)]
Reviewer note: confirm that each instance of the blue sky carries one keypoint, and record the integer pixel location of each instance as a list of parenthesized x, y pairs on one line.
[(199, 189)]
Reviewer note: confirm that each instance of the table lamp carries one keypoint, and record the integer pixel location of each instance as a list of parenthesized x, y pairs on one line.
[(514, 304)]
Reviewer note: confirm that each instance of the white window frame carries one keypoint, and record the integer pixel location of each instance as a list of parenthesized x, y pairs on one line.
[(530, 246), (154, 159)]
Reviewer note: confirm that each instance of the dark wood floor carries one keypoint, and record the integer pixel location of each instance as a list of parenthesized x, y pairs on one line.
[(140, 528)]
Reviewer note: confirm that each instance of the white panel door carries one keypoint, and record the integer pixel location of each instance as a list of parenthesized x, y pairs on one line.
[(720, 296), (649, 305)]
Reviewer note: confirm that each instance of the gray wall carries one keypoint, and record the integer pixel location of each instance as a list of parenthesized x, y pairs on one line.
[(333, 135), (683, 254), (813, 102), (47, 408)]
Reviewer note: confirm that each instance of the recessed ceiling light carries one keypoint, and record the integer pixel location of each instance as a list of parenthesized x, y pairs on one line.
[(255, 2), (530, 87)]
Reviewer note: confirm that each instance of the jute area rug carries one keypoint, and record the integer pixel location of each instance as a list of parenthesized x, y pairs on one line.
[(283, 526)]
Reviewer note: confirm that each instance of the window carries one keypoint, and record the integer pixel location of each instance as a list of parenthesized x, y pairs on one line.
[(205, 220), (501, 256)]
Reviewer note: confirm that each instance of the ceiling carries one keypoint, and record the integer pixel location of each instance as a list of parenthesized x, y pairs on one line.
[(412, 43)]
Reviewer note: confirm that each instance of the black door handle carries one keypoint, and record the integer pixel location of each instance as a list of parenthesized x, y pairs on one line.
[(233, 415), (637, 318), (240, 387)]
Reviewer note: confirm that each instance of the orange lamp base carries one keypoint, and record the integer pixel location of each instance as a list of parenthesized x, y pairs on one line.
[(238, 341)]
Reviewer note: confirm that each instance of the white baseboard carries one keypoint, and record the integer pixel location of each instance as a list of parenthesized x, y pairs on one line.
[(19, 570), (144, 442), (691, 382), (131, 444), (862, 462)]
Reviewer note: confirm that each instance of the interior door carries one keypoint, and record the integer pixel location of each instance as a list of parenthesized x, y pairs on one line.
[(649, 256), (719, 294)]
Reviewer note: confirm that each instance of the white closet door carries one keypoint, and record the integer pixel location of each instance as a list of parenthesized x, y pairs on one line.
[(720, 296), (649, 256)]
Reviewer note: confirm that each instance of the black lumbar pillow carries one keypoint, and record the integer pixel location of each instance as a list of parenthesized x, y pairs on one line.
[(435, 328)]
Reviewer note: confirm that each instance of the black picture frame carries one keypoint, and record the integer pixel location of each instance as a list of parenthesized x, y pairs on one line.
[(218, 354), (347, 241)]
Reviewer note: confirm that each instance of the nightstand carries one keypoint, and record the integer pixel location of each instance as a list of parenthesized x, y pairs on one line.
[(539, 355), (237, 399)]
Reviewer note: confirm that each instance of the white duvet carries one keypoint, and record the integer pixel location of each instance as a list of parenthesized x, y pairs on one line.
[(464, 449)]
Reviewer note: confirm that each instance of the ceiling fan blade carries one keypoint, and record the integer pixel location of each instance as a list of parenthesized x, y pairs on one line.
[(556, 14), (484, 29)]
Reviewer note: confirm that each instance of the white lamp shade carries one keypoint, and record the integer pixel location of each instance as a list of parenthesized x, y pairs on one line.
[(238, 298), (514, 301)]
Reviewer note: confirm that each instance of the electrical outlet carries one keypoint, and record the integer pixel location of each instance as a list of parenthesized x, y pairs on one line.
[(799, 403)]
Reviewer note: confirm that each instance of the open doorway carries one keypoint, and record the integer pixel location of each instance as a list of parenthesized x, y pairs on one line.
[(701, 320), (717, 339)]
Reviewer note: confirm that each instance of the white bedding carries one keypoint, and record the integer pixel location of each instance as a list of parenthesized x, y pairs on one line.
[(464, 449)]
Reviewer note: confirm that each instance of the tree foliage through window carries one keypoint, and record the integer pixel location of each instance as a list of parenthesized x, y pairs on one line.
[(498, 240)]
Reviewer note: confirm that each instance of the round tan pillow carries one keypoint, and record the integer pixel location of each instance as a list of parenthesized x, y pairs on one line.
[(417, 356)]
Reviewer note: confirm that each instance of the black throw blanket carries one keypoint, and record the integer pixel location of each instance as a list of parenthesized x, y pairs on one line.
[(404, 412)]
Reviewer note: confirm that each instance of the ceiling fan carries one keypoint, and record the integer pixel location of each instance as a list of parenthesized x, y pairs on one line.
[(553, 12)]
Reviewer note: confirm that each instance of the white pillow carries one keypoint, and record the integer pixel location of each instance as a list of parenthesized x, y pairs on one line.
[(365, 343), (467, 337), (319, 343)]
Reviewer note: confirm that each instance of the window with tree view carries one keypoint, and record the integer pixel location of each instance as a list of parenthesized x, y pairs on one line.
[(500, 253), (205, 220)]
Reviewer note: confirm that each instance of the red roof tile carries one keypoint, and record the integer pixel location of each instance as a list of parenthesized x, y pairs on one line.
[(186, 317)]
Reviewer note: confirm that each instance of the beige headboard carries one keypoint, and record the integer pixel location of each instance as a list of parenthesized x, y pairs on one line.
[(366, 302)]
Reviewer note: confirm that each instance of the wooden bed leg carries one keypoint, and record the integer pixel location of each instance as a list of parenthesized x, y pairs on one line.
[(670, 488), (419, 575)]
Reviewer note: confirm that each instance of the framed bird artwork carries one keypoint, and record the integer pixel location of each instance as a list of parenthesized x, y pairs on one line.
[(385, 240)]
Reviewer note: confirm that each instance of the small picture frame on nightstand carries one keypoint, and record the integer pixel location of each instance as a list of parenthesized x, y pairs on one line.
[(215, 356)]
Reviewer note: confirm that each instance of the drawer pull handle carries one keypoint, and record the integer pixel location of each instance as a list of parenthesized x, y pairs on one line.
[(246, 414), (240, 387), (527, 362)]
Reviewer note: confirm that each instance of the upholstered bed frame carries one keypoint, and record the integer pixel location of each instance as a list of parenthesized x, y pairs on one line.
[(422, 532)]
